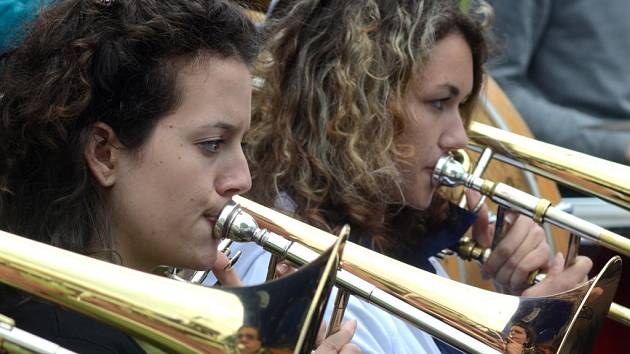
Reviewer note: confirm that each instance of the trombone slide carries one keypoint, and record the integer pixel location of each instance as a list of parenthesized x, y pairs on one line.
[(483, 315), (451, 173), (235, 224)]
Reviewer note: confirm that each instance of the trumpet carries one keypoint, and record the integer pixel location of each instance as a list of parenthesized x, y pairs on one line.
[(468, 318), (285, 312)]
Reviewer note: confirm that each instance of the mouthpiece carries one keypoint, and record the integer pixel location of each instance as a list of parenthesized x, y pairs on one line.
[(236, 225), (448, 172)]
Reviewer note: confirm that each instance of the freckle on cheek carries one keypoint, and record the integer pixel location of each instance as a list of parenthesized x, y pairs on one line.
[(170, 126)]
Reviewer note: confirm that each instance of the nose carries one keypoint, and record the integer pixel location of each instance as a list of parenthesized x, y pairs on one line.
[(235, 177), (454, 134)]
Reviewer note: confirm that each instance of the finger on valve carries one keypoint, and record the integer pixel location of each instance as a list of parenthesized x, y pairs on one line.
[(520, 252), (559, 279), (224, 273)]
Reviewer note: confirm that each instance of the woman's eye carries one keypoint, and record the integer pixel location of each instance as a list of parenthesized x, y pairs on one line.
[(438, 104), (212, 146)]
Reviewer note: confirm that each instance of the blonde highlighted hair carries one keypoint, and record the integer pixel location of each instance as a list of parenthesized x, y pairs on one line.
[(330, 110)]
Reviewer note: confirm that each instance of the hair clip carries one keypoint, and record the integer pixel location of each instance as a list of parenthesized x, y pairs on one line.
[(106, 3)]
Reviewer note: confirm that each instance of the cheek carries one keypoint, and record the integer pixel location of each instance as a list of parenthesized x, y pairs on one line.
[(184, 178), (417, 190), (169, 195)]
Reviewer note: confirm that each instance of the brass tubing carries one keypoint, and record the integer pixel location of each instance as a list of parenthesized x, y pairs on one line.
[(619, 313), (451, 173), (408, 292), (594, 176), (175, 316), (244, 222)]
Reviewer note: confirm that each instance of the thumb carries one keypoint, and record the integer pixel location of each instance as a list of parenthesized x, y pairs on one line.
[(321, 333), (557, 265)]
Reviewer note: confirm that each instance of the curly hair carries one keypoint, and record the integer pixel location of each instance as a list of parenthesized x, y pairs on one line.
[(88, 61), (327, 118)]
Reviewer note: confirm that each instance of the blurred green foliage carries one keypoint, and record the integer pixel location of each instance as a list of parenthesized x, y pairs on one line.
[(465, 5)]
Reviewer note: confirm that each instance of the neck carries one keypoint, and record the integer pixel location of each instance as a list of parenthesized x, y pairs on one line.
[(127, 255)]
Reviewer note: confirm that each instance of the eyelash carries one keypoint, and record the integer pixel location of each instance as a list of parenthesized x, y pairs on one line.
[(213, 146), (440, 103)]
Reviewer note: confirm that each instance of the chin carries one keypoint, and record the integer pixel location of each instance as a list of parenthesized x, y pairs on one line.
[(206, 263), (421, 203), (199, 263)]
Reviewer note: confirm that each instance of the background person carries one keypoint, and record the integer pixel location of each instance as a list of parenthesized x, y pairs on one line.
[(248, 340), (562, 63)]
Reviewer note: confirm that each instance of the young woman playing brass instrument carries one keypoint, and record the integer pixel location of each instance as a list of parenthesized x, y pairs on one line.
[(120, 127), (358, 101)]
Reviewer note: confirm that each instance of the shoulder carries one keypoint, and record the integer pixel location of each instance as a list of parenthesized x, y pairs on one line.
[(71, 330)]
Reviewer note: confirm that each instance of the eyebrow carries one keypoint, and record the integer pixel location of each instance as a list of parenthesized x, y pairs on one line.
[(224, 125), (454, 91)]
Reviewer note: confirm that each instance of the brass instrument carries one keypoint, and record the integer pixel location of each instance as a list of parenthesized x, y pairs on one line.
[(588, 174), (286, 312), (468, 318), (451, 173), (594, 176)]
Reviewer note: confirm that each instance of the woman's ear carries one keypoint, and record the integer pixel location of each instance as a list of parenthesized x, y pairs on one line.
[(101, 153)]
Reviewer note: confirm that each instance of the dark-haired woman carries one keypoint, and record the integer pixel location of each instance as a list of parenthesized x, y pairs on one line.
[(120, 126)]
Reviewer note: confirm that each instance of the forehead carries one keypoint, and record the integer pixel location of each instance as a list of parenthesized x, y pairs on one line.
[(213, 90), (450, 63)]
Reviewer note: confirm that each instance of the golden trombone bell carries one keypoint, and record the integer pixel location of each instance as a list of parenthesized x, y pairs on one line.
[(566, 322), (174, 316)]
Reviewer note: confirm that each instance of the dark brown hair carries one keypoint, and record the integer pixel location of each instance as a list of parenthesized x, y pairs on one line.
[(88, 61)]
